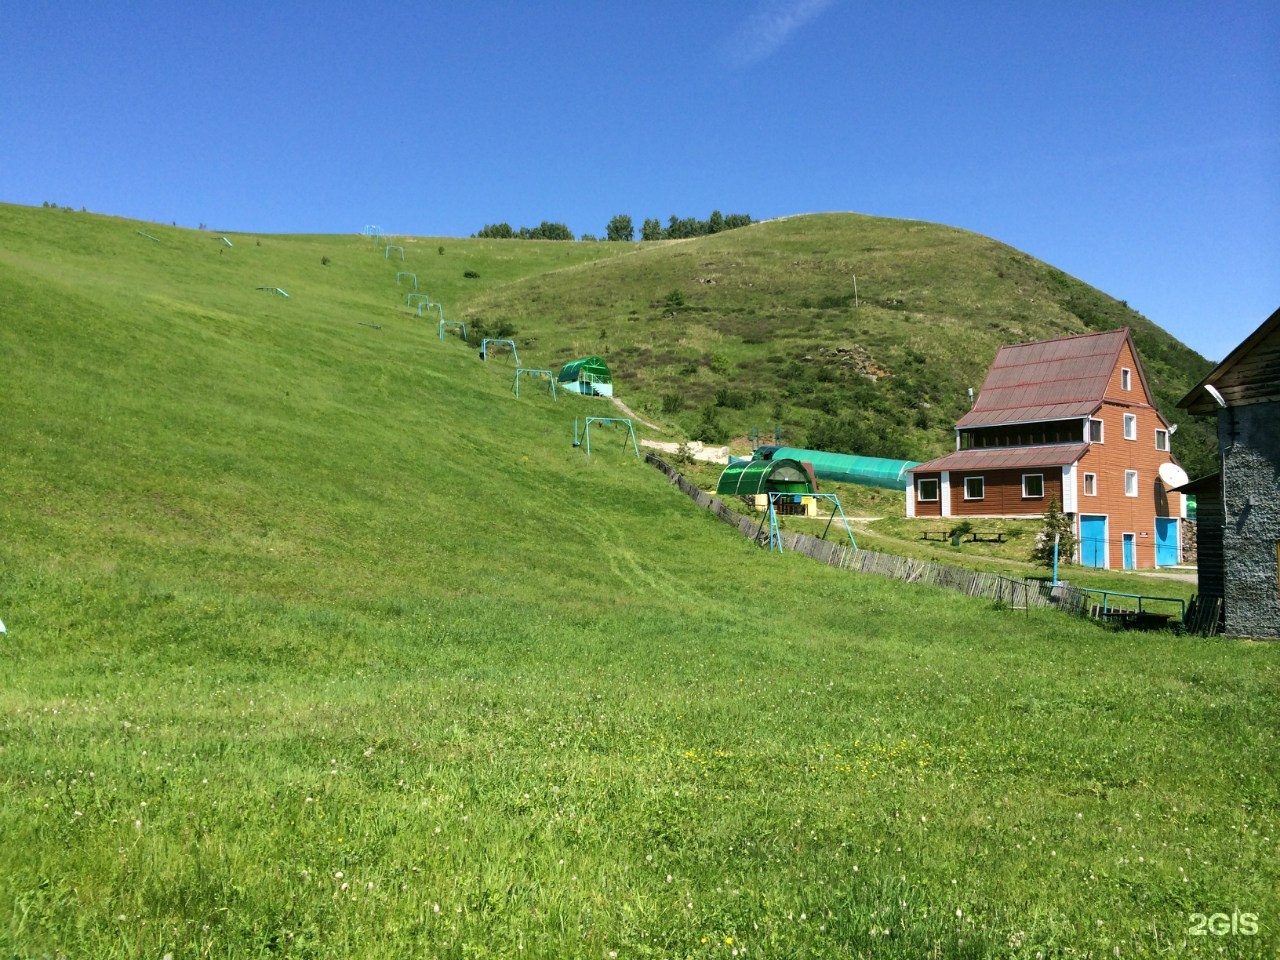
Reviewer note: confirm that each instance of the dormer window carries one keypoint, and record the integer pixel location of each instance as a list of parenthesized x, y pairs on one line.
[(1126, 379)]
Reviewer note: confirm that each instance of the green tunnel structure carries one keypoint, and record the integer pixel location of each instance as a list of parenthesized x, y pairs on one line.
[(753, 477), (588, 376), (846, 467)]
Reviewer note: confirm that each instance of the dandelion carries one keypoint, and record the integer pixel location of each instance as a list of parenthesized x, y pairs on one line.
[(435, 908), (337, 874)]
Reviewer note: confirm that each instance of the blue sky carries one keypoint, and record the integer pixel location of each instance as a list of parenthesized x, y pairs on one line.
[(1134, 145)]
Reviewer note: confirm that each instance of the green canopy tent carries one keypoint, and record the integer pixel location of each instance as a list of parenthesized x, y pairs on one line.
[(588, 376)]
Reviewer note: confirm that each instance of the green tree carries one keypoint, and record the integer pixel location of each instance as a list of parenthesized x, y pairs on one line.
[(1056, 525), (551, 231), (620, 228), (716, 223), (652, 229)]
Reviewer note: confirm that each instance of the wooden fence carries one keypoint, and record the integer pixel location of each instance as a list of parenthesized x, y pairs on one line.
[(1018, 594)]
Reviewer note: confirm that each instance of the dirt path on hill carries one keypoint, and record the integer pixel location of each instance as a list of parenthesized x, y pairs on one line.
[(632, 414)]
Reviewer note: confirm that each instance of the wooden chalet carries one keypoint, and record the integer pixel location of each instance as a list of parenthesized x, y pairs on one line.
[(1240, 546), (1073, 419)]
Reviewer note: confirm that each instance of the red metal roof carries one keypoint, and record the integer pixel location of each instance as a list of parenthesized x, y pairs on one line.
[(1006, 458), (1047, 380)]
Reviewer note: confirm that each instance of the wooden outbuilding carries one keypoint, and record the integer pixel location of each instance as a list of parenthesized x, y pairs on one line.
[(1240, 553)]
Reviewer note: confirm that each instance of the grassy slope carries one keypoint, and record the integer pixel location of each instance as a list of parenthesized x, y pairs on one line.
[(764, 309), (296, 603)]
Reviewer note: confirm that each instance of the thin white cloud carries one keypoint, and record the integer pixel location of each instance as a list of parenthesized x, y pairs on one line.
[(768, 28)]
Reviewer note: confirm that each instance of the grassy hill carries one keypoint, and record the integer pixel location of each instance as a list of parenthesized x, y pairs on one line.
[(760, 325), (320, 644)]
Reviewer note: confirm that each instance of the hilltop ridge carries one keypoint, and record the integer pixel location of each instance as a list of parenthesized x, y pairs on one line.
[(850, 332)]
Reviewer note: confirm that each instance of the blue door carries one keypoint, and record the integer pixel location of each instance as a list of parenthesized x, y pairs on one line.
[(1130, 551), (1166, 541), (1093, 541)]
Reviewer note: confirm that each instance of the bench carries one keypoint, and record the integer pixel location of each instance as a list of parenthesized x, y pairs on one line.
[(1138, 619), (986, 536), (935, 534)]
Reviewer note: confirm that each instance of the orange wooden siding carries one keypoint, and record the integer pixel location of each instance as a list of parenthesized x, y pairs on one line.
[(1109, 461), (928, 508), (1002, 493)]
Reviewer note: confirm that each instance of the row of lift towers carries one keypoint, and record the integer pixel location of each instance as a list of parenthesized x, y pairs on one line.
[(774, 474)]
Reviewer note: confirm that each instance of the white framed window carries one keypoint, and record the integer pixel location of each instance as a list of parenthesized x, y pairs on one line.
[(1095, 430), (926, 490), (1090, 484), (1162, 440), (1126, 378), (1131, 426), (1131, 483), (1033, 486), (973, 488)]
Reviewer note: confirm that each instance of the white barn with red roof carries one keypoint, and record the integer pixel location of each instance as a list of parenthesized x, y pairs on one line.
[(1073, 419)]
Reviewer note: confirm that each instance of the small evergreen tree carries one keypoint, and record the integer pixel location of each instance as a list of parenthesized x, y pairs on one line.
[(1056, 524)]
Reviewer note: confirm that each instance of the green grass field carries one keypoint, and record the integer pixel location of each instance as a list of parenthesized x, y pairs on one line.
[(321, 644)]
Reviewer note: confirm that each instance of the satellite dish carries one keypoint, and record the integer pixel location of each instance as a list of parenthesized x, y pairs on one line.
[(1173, 475)]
